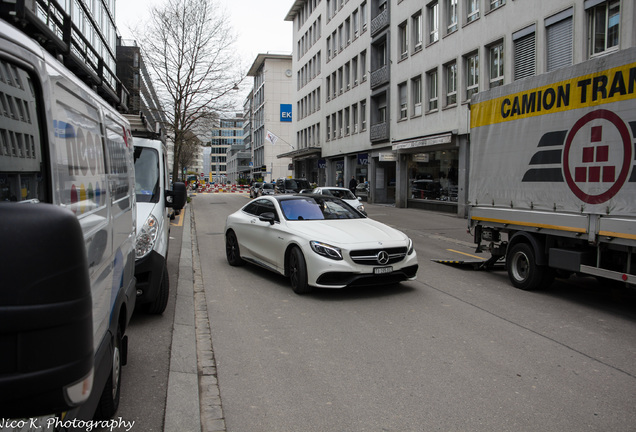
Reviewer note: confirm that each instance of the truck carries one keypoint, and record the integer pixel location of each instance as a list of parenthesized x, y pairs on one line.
[(67, 236), (552, 183)]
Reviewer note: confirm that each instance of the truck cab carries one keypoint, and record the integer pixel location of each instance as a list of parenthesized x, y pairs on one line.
[(156, 201)]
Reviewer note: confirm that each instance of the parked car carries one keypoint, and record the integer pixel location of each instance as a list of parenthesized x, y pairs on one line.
[(266, 189), (362, 190), (287, 186), (344, 194), (318, 241), (254, 189)]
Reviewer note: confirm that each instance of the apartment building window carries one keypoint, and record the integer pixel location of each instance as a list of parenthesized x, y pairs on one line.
[(382, 6), (403, 40), (347, 121), (347, 75), (354, 117), (363, 16), (416, 25), (416, 96), (340, 80), (432, 84), (328, 47), (334, 47), (524, 52), (494, 4), (603, 25), (354, 19), (451, 16), (496, 64), (363, 65), (354, 70), (340, 37), (403, 108), (472, 10), (559, 40), (433, 22), (334, 85), (340, 124), (451, 83), (329, 15), (328, 84), (472, 74), (333, 126), (363, 115), (328, 125), (348, 30)]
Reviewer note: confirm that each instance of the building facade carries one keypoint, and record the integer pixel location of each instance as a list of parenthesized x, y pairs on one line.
[(220, 159), (384, 86), (271, 117)]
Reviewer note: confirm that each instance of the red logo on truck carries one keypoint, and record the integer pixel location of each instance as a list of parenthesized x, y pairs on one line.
[(593, 170)]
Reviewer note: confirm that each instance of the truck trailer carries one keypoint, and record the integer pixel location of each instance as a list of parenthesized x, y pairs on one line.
[(552, 183)]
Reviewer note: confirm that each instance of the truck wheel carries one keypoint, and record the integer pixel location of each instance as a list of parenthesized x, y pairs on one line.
[(158, 305), (523, 271), (109, 400)]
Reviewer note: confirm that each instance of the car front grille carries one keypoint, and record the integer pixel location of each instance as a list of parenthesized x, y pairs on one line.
[(373, 256)]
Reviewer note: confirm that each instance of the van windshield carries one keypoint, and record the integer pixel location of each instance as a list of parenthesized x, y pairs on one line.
[(146, 174)]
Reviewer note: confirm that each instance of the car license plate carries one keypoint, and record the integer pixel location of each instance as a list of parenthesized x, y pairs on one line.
[(382, 270)]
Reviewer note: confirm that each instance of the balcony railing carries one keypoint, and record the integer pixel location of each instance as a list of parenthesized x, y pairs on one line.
[(380, 76), (379, 132), (380, 22)]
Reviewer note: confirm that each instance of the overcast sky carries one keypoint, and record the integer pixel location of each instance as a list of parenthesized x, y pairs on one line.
[(260, 25)]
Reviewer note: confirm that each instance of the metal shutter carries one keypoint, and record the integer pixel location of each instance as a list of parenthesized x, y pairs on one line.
[(525, 64), (559, 38)]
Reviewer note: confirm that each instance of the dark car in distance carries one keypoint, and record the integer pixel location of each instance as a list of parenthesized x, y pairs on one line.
[(291, 186)]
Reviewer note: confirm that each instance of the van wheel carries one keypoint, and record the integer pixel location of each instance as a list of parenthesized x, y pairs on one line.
[(298, 272), (109, 400), (159, 304), (523, 271)]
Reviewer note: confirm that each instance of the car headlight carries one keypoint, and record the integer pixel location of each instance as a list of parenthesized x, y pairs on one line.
[(361, 208), (146, 237), (411, 248), (326, 250)]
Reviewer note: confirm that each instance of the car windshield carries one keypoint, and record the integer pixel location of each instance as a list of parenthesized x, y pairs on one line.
[(267, 186), (340, 193), (317, 208)]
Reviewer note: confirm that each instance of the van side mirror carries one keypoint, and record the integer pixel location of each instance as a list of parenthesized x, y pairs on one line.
[(46, 321), (179, 195)]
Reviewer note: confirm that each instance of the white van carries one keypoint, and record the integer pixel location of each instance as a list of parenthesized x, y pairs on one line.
[(63, 151), (155, 199)]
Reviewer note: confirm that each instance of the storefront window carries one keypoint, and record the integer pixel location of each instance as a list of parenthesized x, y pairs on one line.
[(433, 175)]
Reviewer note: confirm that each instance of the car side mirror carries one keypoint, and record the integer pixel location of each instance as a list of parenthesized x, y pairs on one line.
[(267, 217), (178, 194), (46, 311)]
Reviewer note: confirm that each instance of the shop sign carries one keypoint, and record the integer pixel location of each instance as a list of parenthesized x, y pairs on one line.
[(363, 159), (387, 157), (423, 142)]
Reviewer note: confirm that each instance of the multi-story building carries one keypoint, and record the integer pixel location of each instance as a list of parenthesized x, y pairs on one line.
[(81, 33), (388, 83), (222, 140), (271, 117), (146, 116)]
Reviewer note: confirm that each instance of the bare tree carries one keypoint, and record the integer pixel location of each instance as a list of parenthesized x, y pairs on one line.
[(188, 45)]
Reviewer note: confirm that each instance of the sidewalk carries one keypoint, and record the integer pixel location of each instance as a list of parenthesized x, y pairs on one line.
[(193, 402)]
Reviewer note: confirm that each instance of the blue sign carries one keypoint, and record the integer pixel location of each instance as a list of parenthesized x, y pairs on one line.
[(363, 159), (285, 112)]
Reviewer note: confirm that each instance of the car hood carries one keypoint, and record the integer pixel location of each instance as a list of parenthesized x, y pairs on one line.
[(347, 231)]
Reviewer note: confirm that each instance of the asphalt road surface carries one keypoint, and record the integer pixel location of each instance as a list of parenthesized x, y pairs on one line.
[(456, 350)]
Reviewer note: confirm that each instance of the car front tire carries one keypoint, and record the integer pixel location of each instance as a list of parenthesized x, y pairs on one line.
[(298, 272)]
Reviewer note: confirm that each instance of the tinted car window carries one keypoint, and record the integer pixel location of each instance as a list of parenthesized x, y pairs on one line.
[(317, 208), (258, 207)]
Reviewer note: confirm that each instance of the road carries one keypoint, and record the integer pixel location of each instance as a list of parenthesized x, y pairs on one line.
[(456, 350)]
